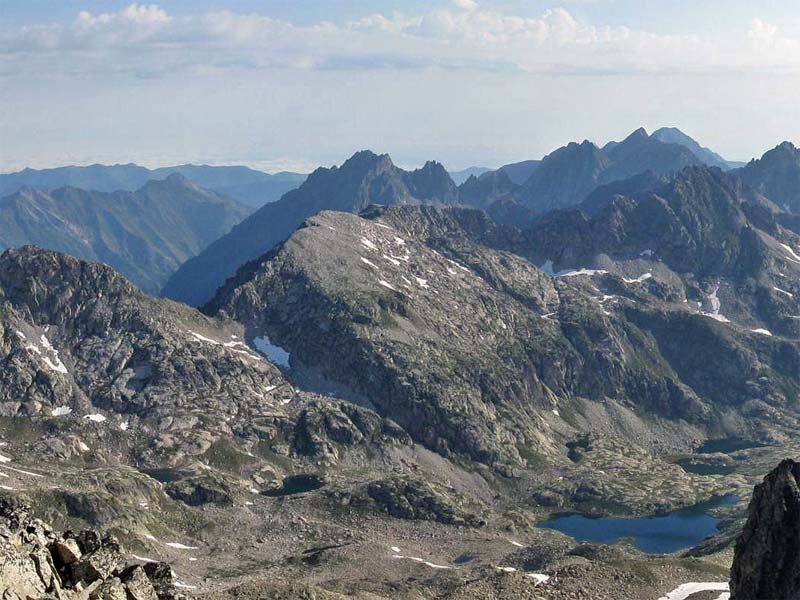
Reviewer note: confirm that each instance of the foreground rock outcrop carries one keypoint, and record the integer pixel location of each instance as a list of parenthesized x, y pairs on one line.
[(766, 563), (36, 562)]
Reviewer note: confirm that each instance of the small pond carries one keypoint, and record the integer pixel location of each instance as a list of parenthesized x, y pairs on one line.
[(297, 484), (656, 535), (727, 445), (690, 465)]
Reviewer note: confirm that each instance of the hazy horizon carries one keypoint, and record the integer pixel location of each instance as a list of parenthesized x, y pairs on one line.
[(466, 83)]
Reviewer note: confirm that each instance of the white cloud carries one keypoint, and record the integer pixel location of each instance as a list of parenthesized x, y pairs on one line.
[(145, 40)]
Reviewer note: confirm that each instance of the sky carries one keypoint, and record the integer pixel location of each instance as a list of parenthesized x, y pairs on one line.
[(291, 85)]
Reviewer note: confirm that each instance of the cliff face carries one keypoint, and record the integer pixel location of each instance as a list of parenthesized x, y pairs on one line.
[(766, 562)]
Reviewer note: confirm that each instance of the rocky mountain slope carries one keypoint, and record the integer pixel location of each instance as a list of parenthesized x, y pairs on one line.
[(251, 187), (146, 234), (452, 331), (202, 442), (364, 179)]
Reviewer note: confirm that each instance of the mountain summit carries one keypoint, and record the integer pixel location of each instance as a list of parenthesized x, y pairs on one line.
[(365, 178)]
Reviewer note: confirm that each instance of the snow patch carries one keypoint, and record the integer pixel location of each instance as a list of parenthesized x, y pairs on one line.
[(275, 354), (715, 307), (392, 260), (777, 289), (23, 472), (639, 279), (687, 589), (60, 411), (422, 561), (646, 253), (762, 331), (180, 546), (366, 261), (143, 558), (386, 284), (96, 417), (576, 272), (4, 459), (185, 586), (794, 257), (368, 244), (423, 283)]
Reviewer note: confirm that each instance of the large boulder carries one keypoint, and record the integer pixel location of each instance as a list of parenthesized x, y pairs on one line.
[(36, 562)]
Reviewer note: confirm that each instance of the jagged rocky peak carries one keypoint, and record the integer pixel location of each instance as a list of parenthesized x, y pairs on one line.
[(777, 175), (365, 178), (432, 182), (766, 562)]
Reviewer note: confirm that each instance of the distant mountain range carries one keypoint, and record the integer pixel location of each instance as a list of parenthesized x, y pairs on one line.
[(146, 235), (251, 187), (460, 177)]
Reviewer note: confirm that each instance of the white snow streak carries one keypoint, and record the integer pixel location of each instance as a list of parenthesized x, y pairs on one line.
[(422, 561), (367, 243), (180, 546), (574, 272), (639, 279), (687, 589), (794, 257), (386, 284)]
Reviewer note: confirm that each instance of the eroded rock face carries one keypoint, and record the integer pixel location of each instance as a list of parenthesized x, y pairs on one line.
[(36, 562), (766, 562)]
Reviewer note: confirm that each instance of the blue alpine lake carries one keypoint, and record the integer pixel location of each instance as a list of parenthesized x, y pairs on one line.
[(656, 535)]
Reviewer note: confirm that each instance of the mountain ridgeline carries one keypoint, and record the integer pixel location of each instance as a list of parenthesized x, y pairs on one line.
[(248, 186), (562, 179), (146, 234)]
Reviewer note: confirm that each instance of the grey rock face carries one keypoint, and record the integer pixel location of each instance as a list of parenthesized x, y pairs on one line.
[(36, 562), (80, 342), (766, 563), (443, 322)]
